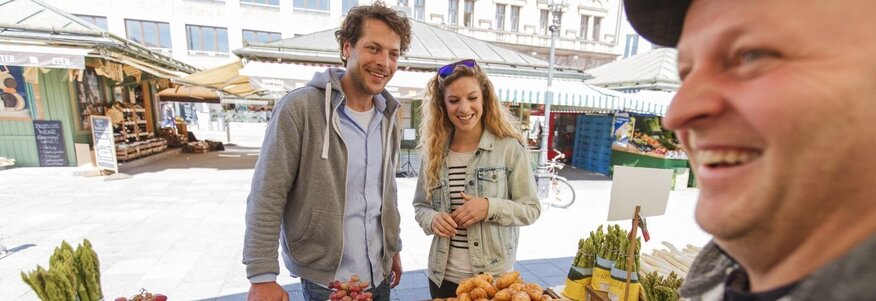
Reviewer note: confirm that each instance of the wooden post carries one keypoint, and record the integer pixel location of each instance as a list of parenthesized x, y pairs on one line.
[(631, 252)]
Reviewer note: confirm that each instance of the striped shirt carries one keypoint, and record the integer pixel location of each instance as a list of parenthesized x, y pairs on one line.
[(458, 262)]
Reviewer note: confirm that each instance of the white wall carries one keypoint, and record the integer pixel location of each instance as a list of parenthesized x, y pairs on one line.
[(236, 16)]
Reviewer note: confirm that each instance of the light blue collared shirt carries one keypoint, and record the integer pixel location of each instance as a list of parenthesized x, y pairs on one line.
[(363, 230)]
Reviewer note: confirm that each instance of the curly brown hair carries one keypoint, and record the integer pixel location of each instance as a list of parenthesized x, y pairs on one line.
[(351, 28)]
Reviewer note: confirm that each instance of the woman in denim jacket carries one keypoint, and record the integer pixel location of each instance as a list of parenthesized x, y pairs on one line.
[(476, 185)]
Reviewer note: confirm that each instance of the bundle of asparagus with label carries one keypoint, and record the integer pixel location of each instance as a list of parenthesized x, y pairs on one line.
[(581, 271), (606, 257), (72, 275), (659, 288)]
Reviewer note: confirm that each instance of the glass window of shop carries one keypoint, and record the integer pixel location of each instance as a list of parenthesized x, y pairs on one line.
[(452, 12), (419, 9), (347, 5), (468, 16), (500, 16), (543, 20), (206, 38), (265, 2), (148, 33), (95, 20), (515, 18), (322, 5), (585, 20), (255, 36), (252, 113), (90, 96)]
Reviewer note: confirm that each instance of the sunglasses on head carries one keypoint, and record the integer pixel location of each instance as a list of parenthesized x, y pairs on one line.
[(447, 70)]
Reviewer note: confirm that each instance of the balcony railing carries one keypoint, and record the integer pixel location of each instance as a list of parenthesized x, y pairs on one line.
[(522, 38)]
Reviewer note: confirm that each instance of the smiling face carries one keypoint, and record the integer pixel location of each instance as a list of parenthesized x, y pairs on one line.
[(464, 104), (772, 112), (373, 60)]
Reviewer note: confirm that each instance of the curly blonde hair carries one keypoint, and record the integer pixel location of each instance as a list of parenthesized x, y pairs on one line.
[(436, 130)]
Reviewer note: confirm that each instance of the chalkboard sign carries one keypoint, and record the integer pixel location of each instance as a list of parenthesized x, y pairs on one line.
[(104, 143), (50, 142)]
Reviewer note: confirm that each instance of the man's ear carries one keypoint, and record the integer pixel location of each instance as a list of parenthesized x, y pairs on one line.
[(346, 50)]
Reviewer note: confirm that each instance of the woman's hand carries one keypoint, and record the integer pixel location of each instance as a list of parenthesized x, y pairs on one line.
[(474, 210), (443, 225)]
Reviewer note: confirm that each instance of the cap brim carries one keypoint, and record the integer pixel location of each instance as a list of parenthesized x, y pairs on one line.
[(659, 21)]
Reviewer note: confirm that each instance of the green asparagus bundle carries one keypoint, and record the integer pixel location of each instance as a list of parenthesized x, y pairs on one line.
[(587, 249), (623, 252), (658, 288), (72, 275), (89, 270), (612, 242)]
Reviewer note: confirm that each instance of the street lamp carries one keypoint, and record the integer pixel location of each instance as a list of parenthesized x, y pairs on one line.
[(557, 7)]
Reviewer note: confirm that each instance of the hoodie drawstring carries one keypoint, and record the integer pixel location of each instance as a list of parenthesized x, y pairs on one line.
[(328, 122)]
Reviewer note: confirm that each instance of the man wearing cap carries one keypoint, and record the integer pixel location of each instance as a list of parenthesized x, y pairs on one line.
[(776, 109)]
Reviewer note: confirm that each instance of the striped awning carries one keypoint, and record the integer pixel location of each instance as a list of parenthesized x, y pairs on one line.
[(593, 101)]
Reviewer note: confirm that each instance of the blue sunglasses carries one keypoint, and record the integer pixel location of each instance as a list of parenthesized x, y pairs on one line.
[(447, 70)]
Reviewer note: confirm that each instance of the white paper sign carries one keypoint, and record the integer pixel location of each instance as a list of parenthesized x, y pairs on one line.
[(409, 134), (637, 186)]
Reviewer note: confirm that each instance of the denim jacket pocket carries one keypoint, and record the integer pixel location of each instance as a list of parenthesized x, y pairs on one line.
[(437, 198), (493, 182)]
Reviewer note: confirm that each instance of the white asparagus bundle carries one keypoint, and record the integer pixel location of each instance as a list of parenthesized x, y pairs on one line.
[(672, 260)]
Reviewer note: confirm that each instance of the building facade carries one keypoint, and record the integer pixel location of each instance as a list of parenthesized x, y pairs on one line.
[(204, 32)]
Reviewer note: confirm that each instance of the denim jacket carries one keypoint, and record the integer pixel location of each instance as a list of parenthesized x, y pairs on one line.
[(500, 171)]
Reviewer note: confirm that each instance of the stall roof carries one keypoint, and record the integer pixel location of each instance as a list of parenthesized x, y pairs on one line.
[(189, 94), (225, 78), (653, 70), (33, 22), (430, 48)]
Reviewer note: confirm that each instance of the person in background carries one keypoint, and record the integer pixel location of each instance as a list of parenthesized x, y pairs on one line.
[(775, 111), (476, 186), (324, 187)]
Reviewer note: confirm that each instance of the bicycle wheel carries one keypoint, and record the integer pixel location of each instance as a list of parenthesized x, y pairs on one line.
[(561, 194)]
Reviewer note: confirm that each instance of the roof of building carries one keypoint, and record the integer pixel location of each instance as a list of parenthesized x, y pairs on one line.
[(430, 48), (653, 70)]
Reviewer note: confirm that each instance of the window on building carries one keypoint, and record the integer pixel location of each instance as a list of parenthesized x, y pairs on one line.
[(94, 20), (403, 3), (255, 36), (468, 16), (632, 45), (148, 33), (346, 5), (322, 5), (543, 21), (452, 12), (419, 10), (500, 16), (266, 2), (515, 18), (585, 20), (597, 26), (206, 38)]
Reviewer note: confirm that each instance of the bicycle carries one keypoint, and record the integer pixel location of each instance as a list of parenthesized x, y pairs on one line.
[(560, 193)]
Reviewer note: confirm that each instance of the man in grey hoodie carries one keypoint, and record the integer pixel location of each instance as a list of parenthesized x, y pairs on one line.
[(775, 111), (324, 186)]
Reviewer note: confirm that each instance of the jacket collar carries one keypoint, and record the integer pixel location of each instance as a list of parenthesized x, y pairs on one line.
[(487, 140)]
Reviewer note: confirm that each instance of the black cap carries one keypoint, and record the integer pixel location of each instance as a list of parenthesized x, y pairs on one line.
[(659, 21)]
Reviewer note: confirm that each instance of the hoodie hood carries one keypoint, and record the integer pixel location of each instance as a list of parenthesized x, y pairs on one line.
[(330, 82)]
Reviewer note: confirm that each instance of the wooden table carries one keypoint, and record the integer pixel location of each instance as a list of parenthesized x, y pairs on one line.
[(594, 295)]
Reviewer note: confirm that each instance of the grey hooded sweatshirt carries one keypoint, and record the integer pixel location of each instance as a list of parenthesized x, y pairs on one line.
[(851, 277), (298, 188)]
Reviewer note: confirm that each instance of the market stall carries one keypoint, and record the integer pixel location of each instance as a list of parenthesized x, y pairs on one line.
[(640, 141), (60, 69)]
